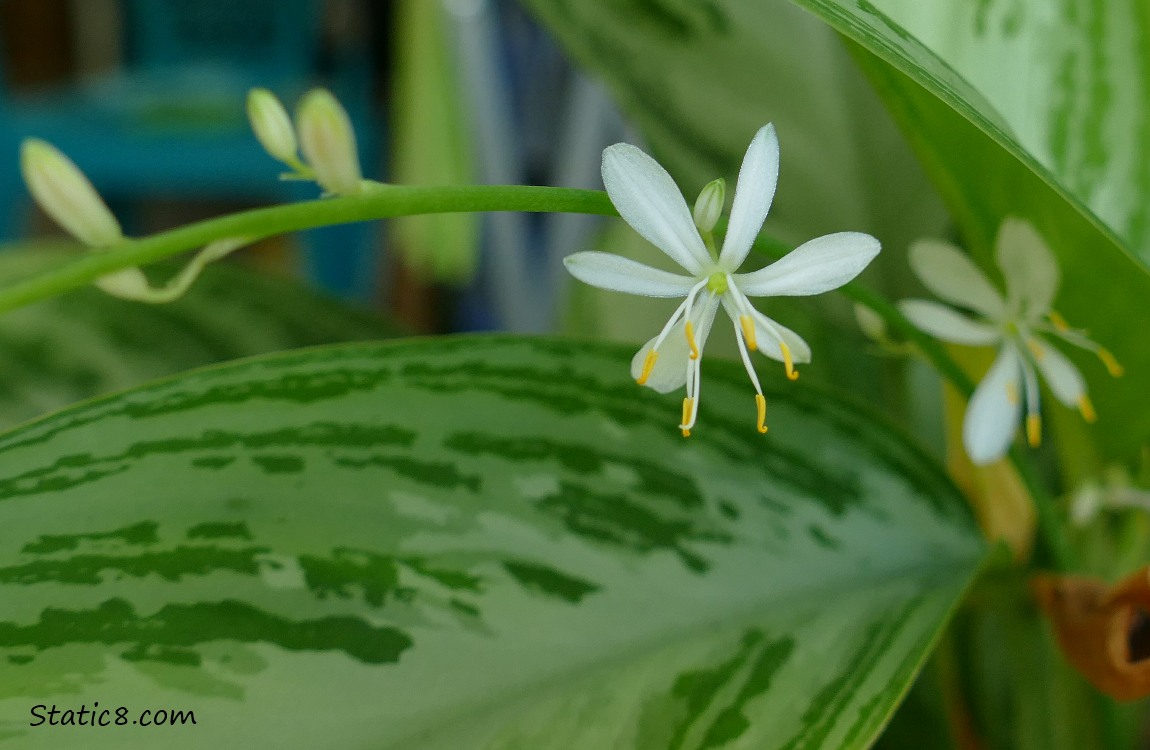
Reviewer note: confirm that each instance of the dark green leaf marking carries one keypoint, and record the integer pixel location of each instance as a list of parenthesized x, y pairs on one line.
[(116, 621), (549, 581)]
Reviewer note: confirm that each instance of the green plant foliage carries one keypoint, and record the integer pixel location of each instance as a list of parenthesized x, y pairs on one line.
[(469, 543), (86, 343)]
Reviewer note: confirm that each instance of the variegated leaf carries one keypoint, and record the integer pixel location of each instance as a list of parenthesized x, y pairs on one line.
[(468, 543)]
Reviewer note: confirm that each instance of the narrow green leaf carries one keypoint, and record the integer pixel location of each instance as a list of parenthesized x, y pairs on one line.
[(1077, 96), (469, 543)]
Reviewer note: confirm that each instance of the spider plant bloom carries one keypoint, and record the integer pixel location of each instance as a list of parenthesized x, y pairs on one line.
[(647, 198), (1018, 324)]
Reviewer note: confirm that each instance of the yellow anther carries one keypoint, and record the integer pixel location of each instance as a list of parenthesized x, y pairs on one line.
[(688, 405), (1058, 321), (788, 362), (1034, 430), (1036, 349), (1086, 408), (690, 329), (761, 405), (648, 365), (748, 331), (1012, 393), (1116, 370)]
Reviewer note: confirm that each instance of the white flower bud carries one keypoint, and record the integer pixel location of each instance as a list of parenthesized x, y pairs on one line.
[(709, 204), (65, 194), (328, 142), (272, 125)]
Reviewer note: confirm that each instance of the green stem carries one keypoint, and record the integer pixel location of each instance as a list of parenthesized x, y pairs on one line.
[(385, 202)]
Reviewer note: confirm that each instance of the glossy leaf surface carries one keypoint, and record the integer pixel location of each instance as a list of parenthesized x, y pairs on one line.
[(468, 543)]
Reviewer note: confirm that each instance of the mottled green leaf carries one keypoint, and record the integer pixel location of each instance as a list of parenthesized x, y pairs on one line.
[(469, 543)]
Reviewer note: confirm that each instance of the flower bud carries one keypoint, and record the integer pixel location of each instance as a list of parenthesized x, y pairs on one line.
[(66, 195), (328, 142), (709, 204), (271, 124)]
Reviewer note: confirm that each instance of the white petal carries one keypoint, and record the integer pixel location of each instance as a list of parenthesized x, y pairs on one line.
[(619, 274), (648, 199), (754, 192), (768, 341), (1030, 270), (769, 332), (1064, 379), (814, 267), (945, 323), (992, 414), (952, 276), (670, 370)]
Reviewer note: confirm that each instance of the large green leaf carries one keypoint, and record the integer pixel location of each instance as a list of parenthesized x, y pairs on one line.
[(86, 343), (468, 543)]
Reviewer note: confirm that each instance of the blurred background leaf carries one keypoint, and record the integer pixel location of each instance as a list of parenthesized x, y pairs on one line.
[(430, 143), (87, 343)]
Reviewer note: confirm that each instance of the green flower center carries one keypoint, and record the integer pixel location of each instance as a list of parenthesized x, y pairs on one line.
[(717, 283)]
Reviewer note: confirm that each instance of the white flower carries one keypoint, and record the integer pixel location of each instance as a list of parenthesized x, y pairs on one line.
[(1014, 323), (646, 197)]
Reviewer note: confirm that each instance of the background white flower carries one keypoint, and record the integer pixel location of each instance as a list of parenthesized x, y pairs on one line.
[(1016, 323), (647, 198)]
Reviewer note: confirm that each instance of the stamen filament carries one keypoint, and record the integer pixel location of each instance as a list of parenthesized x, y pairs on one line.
[(690, 331), (1034, 430), (1033, 415), (749, 331), (1087, 408), (788, 361), (1112, 366), (761, 406), (648, 365)]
